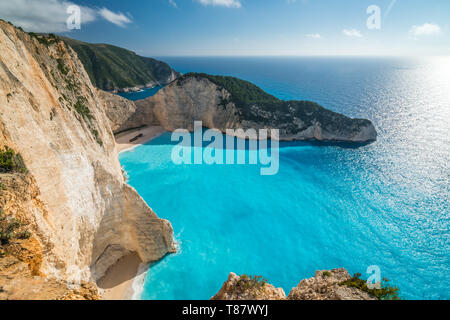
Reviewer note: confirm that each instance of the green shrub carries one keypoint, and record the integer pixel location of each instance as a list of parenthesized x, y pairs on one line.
[(251, 282), (386, 292), (326, 274), (83, 110), (10, 161)]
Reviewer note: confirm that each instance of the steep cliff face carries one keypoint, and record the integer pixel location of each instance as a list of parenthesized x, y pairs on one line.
[(208, 98), (22, 255), (325, 285), (52, 115)]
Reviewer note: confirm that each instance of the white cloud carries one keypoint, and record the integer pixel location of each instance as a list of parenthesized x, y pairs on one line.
[(426, 29), (314, 36), (173, 3), (117, 18), (352, 33), (51, 15), (225, 3), (41, 15)]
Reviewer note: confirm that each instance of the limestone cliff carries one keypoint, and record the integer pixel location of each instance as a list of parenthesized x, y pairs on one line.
[(325, 285), (229, 103), (50, 113)]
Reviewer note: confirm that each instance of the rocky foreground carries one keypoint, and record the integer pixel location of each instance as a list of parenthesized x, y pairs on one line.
[(325, 285)]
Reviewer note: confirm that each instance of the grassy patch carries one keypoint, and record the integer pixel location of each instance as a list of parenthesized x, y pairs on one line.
[(386, 292)]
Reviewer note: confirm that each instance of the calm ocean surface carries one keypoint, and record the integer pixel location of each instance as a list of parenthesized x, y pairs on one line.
[(384, 204)]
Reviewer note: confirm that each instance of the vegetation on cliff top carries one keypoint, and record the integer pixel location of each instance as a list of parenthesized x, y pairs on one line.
[(385, 292), (110, 67), (244, 93), (251, 282)]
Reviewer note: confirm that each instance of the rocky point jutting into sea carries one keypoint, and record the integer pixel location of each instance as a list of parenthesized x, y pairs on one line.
[(70, 196), (230, 103)]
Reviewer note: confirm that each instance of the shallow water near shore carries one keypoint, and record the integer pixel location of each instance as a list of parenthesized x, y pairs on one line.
[(329, 206)]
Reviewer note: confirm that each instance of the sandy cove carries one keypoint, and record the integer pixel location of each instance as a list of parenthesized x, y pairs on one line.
[(148, 133), (118, 281)]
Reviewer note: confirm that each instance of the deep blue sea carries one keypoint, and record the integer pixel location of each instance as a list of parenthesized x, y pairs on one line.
[(330, 206)]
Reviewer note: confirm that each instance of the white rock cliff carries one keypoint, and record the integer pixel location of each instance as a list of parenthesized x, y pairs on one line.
[(52, 115)]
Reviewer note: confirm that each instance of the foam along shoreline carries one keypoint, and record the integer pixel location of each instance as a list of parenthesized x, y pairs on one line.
[(141, 136), (119, 282)]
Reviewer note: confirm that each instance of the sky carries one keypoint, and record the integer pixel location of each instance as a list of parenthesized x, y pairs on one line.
[(247, 27)]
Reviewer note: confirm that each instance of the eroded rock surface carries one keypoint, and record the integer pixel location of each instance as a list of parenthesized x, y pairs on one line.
[(325, 285)]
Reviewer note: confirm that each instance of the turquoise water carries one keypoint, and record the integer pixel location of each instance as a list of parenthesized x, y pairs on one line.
[(384, 204)]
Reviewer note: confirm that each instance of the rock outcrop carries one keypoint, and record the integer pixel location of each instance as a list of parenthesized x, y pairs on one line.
[(206, 98), (22, 256), (50, 113), (325, 285), (117, 109), (244, 288)]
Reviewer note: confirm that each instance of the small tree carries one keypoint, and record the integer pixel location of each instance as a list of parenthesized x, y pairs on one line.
[(10, 161)]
